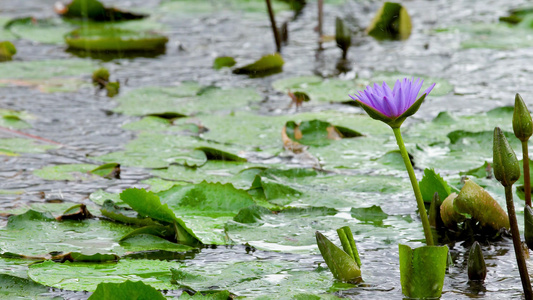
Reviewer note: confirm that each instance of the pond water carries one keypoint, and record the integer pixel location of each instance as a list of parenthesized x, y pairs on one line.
[(88, 126)]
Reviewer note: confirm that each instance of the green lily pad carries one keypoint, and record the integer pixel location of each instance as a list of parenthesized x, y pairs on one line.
[(223, 62), (13, 287), (183, 99), (372, 214), (79, 276), (65, 172), (48, 31), (337, 90), (47, 75), (34, 233), (125, 290), (94, 10), (266, 65), (15, 119), (109, 38), (16, 145), (496, 36), (315, 132), (188, 8), (110, 170), (273, 279)]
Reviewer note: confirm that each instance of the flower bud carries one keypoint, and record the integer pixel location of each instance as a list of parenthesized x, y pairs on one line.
[(522, 123), (477, 270), (505, 165)]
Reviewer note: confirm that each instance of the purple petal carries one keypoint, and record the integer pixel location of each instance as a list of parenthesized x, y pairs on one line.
[(429, 89)]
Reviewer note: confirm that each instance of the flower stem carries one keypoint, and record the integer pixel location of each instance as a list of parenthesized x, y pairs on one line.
[(527, 181), (416, 188), (526, 284), (274, 27)]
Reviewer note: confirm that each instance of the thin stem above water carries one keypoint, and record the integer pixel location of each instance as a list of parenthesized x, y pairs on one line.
[(522, 268), (527, 180), (416, 188)]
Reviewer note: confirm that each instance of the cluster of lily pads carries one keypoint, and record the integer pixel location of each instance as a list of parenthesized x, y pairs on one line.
[(223, 175)]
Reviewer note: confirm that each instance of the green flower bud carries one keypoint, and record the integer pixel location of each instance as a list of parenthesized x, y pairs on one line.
[(477, 270), (505, 164), (522, 123)]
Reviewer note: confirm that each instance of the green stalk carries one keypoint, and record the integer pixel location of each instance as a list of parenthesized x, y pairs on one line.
[(527, 180), (522, 268), (277, 38), (416, 188)]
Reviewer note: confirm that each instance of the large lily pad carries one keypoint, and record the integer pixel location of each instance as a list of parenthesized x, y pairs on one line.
[(125, 290), (108, 38), (183, 99), (34, 233), (337, 90), (79, 276), (47, 75)]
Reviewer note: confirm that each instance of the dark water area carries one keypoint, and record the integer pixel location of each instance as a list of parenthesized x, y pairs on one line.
[(84, 122)]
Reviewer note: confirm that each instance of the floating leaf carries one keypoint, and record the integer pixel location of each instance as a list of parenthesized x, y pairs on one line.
[(314, 132), (65, 172), (77, 212), (80, 257), (165, 232), (417, 278), (123, 215), (35, 233), (223, 61), (108, 38), (373, 214), (148, 204), (88, 275), (391, 22), (109, 170), (266, 65), (13, 287), (125, 290), (209, 295), (485, 171), (96, 11), (215, 154)]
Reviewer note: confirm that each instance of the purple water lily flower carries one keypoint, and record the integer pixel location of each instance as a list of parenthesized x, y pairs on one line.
[(392, 106)]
